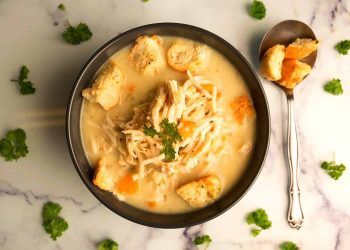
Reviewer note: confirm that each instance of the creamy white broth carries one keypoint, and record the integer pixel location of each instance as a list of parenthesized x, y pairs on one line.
[(137, 89)]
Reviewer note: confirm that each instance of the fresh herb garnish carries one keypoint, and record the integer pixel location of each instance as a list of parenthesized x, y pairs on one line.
[(26, 86), (107, 244), (259, 218), (257, 10), (14, 146), (288, 245), (52, 223), (204, 239), (76, 35), (145, 1), (334, 87), (332, 169), (343, 47), (169, 135), (61, 7)]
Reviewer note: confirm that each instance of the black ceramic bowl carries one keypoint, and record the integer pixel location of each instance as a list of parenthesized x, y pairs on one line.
[(168, 220)]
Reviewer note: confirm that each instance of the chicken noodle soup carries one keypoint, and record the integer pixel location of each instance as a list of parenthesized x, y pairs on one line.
[(168, 125)]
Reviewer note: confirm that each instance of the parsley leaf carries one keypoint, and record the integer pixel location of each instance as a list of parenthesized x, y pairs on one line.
[(343, 47), (259, 218), (204, 239), (169, 135), (26, 87), (13, 146), (334, 87), (257, 10), (61, 7), (145, 1), (288, 245), (52, 223), (107, 244), (78, 34), (332, 169)]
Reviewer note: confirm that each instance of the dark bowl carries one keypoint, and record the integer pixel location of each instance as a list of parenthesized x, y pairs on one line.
[(168, 220)]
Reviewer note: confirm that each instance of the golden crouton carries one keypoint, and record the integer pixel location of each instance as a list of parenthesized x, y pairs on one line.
[(106, 88), (271, 63), (301, 48), (103, 176), (202, 192), (147, 55), (293, 72), (186, 55)]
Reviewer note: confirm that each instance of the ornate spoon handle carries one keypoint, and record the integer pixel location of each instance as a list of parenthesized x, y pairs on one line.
[(295, 212)]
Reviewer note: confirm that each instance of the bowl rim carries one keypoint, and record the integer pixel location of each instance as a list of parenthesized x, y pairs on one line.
[(74, 90)]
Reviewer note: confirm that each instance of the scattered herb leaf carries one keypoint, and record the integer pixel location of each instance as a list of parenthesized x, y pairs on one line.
[(169, 135), (76, 35), (204, 239), (53, 224), (288, 245), (14, 146), (61, 7), (107, 244), (332, 169), (343, 47), (26, 86), (145, 1), (260, 218), (257, 10), (334, 87)]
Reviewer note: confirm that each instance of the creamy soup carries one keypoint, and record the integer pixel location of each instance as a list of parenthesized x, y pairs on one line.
[(103, 137)]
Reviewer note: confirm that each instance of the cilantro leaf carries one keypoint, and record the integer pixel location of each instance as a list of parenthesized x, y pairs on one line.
[(204, 239), (257, 10), (61, 7), (26, 87), (53, 224), (13, 146), (255, 232), (78, 34), (150, 131), (332, 169), (343, 47), (334, 87), (107, 244), (260, 218), (169, 135), (288, 245)]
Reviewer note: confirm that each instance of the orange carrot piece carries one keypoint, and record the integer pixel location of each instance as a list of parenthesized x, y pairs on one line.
[(126, 185)]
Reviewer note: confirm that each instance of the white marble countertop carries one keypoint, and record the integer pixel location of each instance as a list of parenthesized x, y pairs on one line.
[(29, 36)]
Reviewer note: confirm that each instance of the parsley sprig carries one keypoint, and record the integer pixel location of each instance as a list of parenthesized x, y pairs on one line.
[(76, 35), (169, 135), (288, 245), (204, 239), (334, 87), (260, 218), (332, 169), (53, 224), (26, 86), (107, 244), (61, 7), (14, 146), (257, 10), (343, 47)]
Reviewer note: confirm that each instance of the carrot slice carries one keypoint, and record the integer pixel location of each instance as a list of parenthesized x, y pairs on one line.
[(127, 185), (242, 108), (152, 204), (187, 128)]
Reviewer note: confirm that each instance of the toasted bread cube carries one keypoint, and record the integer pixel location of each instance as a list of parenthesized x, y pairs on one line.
[(293, 72), (106, 88), (271, 63), (103, 176), (301, 48), (202, 192), (147, 55), (186, 55)]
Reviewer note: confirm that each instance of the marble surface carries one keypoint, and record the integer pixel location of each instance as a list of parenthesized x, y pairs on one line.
[(29, 36)]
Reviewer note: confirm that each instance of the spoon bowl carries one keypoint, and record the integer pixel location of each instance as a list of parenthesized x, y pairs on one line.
[(285, 33)]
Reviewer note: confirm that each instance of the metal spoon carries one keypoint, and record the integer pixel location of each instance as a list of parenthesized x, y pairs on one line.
[(284, 33)]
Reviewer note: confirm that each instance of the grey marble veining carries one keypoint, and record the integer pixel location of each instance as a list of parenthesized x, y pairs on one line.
[(31, 35)]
